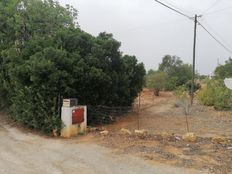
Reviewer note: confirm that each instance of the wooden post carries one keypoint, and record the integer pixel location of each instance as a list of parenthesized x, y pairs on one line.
[(138, 112), (194, 57)]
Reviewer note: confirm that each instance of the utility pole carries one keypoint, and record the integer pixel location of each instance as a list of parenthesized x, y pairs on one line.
[(194, 44), (194, 41), (194, 58)]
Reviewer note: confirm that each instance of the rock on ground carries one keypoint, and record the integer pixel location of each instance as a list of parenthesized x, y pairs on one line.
[(104, 133), (142, 132), (125, 132)]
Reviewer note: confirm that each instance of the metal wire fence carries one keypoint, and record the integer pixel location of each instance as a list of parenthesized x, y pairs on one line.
[(106, 114)]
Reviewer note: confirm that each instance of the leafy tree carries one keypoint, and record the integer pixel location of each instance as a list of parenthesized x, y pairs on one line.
[(178, 72), (157, 81), (45, 57), (169, 63)]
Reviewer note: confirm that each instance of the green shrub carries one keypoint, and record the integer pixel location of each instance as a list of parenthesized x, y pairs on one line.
[(182, 94), (206, 96), (223, 99), (216, 94)]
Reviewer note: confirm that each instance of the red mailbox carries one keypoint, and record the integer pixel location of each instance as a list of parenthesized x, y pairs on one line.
[(78, 115)]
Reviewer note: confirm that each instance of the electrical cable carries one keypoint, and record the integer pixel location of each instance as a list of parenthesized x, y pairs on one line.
[(217, 11), (171, 8), (176, 7), (211, 6), (215, 32), (219, 42)]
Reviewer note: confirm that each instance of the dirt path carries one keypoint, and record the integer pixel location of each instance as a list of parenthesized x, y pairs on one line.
[(26, 153), (160, 114)]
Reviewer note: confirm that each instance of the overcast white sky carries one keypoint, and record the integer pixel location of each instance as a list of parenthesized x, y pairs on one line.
[(149, 31)]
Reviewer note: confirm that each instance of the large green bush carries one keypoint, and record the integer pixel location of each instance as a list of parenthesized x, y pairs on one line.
[(216, 94), (44, 57)]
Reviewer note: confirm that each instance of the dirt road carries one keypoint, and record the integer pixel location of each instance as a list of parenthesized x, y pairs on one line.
[(27, 153)]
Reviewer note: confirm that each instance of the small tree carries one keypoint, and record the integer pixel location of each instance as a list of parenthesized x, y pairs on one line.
[(183, 98), (157, 81)]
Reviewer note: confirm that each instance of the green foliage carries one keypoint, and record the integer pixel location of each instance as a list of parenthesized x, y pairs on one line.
[(178, 72), (224, 71), (216, 94), (156, 81), (196, 86), (181, 92), (45, 57)]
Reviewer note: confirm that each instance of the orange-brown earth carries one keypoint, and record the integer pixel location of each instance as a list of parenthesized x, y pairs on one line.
[(161, 114)]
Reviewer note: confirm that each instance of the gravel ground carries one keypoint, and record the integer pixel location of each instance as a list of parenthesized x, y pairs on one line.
[(26, 153), (202, 154)]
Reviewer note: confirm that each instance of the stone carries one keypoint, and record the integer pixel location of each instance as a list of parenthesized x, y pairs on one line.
[(93, 129), (186, 149), (189, 137), (142, 132), (177, 138), (104, 133), (125, 132), (220, 140), (55, 133), (166, 135)]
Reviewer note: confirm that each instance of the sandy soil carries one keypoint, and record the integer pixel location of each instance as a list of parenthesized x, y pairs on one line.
[(160, 115), (27, 153)]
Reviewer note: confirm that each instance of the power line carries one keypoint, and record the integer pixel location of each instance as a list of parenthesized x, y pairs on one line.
[(181, 13), (219, 42), (215, 32), (217, 11), (176, 7), (229, 50), (211, 6), (194, 41), (194, 44)]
